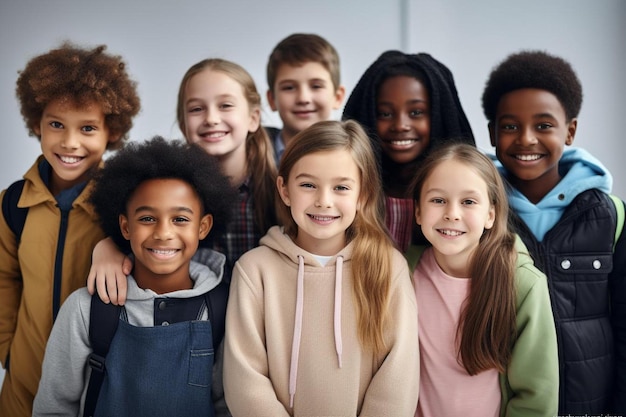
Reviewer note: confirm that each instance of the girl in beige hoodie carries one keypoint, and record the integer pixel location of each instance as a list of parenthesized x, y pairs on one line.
[(322, 318)]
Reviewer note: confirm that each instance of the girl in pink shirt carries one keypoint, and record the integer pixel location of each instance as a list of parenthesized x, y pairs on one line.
[(487, 341)]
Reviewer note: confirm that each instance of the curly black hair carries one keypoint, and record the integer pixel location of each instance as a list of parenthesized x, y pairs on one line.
[(81, 76), (158, 158), (533, 69)]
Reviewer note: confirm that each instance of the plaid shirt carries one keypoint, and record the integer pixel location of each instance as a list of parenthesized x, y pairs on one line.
[(399, 219), (241, 234)]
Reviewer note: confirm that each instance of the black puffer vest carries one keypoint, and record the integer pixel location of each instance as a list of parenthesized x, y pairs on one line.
[(577, 257)]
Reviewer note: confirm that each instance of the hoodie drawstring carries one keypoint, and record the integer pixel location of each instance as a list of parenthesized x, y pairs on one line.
[(337, 317), (297, 331), (297, 328)]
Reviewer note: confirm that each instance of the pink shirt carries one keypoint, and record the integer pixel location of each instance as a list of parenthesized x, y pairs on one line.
[(446, 389)]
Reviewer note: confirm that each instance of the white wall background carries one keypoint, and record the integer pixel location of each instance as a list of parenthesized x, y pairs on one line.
[(160, 39)]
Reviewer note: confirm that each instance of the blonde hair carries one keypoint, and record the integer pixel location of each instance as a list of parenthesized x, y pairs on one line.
[(487, 325), (259, 151), (371, 258)]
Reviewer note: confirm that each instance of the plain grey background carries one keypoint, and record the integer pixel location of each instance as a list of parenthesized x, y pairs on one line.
[(160, 39)]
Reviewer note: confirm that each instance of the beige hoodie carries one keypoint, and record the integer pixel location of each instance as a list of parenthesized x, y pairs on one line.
[(291, 344)]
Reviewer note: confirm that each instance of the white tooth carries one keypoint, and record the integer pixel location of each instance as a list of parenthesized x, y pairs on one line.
[(163, 252), (402, 142), (528, 157), (451, 232), (70, 159)]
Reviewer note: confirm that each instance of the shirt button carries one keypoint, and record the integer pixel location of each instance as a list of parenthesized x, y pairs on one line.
[(597, 264), (162, 305), (566, 264), (165, 323)]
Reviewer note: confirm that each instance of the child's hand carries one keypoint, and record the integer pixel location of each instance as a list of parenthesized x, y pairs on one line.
[(109, 268)]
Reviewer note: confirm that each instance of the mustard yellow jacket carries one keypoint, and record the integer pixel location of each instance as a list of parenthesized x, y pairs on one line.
[(53, 253)]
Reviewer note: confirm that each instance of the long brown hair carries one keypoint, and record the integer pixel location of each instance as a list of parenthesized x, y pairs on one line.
[(487, 325), (259, 151), (371, 257)]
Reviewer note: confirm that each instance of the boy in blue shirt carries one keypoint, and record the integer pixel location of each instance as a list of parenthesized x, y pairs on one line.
[(563, 212)]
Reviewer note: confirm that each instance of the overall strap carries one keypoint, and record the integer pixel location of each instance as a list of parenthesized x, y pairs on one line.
[(103, 321), (14, 215), (619, 207), (216, 301)]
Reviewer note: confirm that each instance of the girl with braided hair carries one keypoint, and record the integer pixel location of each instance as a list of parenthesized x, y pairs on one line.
[(408, 104)]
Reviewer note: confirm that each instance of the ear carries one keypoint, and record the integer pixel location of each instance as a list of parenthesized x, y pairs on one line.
[(37, 129), (281, 185), (418, 218), (114, 138), (491, 218), (206, 223), (271, 100), (571, 131), (492, 134), (123, 221), (340, 94), (255, 119)]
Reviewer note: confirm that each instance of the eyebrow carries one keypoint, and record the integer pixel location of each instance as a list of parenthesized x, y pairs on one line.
[(534, 116), (340, 179), (174, 209), (412, 101), (291, 80), (54, 116)]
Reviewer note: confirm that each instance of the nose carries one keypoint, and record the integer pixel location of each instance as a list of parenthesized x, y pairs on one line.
[(401, 123), (451, 213), (70, 140), (212, 117), (304, 95), (527, 137), (323, 199), (163, 231)]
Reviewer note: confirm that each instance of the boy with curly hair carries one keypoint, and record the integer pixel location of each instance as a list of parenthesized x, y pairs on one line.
[(304, 84), (156, 199), (563, 212), (78, 102)]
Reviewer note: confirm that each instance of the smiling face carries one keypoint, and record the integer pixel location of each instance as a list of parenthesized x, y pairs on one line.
[(322, 192), (217, 115), (73, 140), (303, 95), (529, 133), (453, 210), (164, 223), (403, 118)]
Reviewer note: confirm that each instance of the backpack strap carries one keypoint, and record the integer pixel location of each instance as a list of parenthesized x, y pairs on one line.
[(103, 321), (619, 207), (216, 301), (15, 216)]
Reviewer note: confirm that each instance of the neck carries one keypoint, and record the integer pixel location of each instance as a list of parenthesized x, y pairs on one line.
[(162, 283), (234, 166)]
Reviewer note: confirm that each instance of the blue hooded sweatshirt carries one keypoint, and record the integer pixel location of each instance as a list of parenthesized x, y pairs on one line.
[(580, 171)]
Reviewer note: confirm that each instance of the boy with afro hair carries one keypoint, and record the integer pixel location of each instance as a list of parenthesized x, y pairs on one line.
[(78, 102), (157, 199), (562, 209)]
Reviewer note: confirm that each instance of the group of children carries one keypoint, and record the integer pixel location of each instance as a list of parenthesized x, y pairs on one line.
[(324, 236)]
